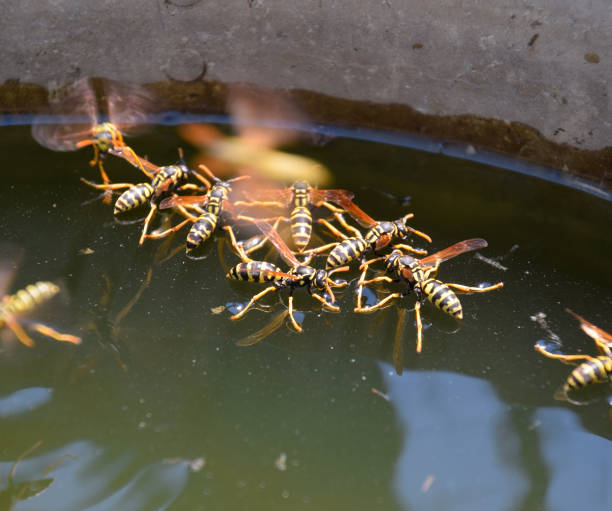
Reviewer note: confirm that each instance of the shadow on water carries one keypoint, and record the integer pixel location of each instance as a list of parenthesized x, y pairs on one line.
[(471, 423)]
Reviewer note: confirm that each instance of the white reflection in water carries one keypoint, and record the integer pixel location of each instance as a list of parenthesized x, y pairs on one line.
[(24, 400), (459, 449), (88, 480), (579, 463)]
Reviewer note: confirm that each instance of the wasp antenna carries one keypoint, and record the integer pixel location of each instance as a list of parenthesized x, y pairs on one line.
[(208, 172), (239, 178), (342, 268), (181, 155)]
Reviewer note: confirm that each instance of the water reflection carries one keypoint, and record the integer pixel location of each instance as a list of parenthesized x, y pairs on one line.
[(580, 471), (85, 476), (453, 455)]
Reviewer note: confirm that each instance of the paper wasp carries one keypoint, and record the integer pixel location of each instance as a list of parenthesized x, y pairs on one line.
[(378, 236), (14, 306), (299, 275), (210, 206), (592, 369), (125, 106), (164, 181), (299, 197), (418, 274)]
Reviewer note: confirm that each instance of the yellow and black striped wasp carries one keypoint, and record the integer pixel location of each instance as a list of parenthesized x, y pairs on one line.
[(379, 235), (299, 275), (164, 181), (418, 274), (13, 308), (300, 197), (126, 105), (592, 369), (210, 206)]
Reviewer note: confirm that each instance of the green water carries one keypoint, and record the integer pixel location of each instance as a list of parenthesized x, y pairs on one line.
[(292, 422)]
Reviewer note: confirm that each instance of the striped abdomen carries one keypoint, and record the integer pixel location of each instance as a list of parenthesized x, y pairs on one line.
[(255, 271), (133, 197), (593, 371), (28, 298), (345, 252), (442, 297), (201, 230), (301, 227)]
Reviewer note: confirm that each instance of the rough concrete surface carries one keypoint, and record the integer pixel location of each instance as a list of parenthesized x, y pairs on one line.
[(543, 63)]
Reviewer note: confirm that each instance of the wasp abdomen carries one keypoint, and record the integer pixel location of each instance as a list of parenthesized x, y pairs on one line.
[(201, 230), (593, 371), (133, 197), (255, 271), (301, 226), (345, 252), (442, 297), (31, 296)]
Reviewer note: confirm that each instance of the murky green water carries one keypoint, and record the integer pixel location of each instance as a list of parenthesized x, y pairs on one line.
[(292, 422)]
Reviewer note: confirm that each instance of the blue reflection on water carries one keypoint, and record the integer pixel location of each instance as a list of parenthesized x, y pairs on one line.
[(87, 480), (452, 457), (579, 463), (24, 400)]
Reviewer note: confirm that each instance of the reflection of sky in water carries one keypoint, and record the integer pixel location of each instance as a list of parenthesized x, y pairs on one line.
[(457, 432), (579, 463), (24, 400), (89, 480)]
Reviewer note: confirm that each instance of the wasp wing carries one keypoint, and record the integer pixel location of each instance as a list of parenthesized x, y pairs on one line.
[(591, 330), (453, 251), (128, 105), (340, 197), (272, 234)]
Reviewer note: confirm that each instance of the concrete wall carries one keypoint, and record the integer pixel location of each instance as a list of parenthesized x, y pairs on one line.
[(542, 63)]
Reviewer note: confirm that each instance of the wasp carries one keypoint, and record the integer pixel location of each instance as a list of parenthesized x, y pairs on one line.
[(299, 275), (379, 235), (418, 275), (211, 207), (164, 181), (299, 197), (26, 300), (125, 104), (592, 369)]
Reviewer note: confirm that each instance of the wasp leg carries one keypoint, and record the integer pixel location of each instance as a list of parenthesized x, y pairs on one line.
[(107, 186), (253, 300), (467, 289), (147, 221), (419, 325), (331, 207), (356, 232), (380, 304), (251, 219), (295, 324), (54, 334), (162, 234), (260, 203), (330, 306), (319, 250), (382, 278), (236, 246), (333, 230), (190, 186), (19, 332), (566, 359), (398, 345), (136, 158), (408, 248)]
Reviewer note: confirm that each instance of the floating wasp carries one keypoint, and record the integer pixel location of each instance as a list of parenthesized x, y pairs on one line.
[(378, 236), (300, 275), (164, 181), (24, 301), (215, 202), (300, 196), (418, 275), (262, 120), (593, 369), (126, 104)]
